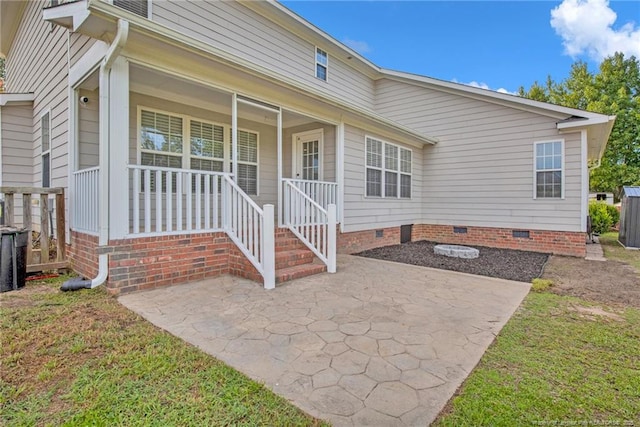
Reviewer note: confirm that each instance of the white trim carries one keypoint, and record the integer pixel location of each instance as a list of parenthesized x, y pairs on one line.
[(383, 169), (295, 154), (340, 172), (584, 178), (16, 98), (563, 184), (1, 159), (46, 112), (87, 64), (316, 51)]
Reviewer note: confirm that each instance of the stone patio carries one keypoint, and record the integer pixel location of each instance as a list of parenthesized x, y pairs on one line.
[(377, 343)]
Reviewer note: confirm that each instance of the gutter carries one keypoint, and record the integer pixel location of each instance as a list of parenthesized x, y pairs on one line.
[(103, 201)]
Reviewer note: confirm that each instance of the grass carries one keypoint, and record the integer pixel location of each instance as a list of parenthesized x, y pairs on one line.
[(614, 250), (559, 361), (82, 359)]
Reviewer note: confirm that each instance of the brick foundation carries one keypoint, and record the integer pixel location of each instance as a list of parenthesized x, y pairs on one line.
[(150, 262), (555, 242)]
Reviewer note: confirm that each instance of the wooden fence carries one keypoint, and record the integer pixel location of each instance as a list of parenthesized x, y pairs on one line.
[(43, 262)]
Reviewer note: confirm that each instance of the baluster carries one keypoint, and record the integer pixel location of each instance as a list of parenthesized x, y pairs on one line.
[(147, 201), (179, 201), (158, 201), (198, 202), (136, 201), (207, 202), (169, 202), (188, 194)]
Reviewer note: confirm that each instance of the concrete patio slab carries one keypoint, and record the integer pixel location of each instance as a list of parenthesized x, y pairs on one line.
[(377, 343)]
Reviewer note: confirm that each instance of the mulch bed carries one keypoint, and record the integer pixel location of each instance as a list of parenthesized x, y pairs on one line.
[(502, 263)]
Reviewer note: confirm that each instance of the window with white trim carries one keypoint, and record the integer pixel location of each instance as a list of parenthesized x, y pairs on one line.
[(207, 146), (139, 7), (247, 176), (388, 169), (322, 64), (45, 139), (549, 169)]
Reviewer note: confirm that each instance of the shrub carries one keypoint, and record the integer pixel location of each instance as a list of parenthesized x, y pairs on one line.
[(601, 220), (541, 285), (614, 213)]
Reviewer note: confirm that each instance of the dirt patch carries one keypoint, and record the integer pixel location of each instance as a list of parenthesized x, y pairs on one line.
[(610, 282), (493, 262), (23, 297), (595, 313)]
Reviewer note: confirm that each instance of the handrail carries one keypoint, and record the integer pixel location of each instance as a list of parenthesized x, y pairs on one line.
[(250, 228), (311, 223)]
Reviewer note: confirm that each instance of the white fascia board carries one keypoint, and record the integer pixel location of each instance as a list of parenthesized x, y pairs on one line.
[(597, 119), (69, 15), (168, 35), (16, 98)]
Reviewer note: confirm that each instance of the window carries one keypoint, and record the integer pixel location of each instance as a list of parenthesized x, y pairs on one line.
[(322, 64), (248, 162), (139, 7), (45, 139), (548, 169), (207, 146), (388, 169)]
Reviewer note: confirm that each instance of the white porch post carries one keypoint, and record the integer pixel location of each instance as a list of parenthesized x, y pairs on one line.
[(119, 149), (340, 173), (73, 163), (279, 163), (269, 248), (331, 239), (234, 136)]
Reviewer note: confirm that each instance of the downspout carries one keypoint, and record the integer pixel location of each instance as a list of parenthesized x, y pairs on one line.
[(103, 227)]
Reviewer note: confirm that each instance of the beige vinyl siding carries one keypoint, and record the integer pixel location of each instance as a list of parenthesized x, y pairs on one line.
[(79, 44), (232, 27), (480, 173), (37, 62), (89, 129), (267, 178), (362, 213), (17, 157)]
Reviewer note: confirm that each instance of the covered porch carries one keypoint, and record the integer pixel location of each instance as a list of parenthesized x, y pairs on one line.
[(169, 155)]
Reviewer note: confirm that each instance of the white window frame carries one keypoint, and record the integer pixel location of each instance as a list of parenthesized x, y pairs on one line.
[(318, 63), (46, 113), (384, 170), (186, 142), (536, 170), (148, 8)]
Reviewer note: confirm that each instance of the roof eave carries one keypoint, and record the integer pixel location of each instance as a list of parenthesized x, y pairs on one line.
[(10, 16), (68, 15), (16, 98)]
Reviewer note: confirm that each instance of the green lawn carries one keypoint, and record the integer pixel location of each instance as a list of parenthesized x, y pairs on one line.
[(83, 359), (614, 250), (558, 361)]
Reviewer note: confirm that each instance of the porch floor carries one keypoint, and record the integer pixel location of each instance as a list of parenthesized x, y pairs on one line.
[(377, 343)]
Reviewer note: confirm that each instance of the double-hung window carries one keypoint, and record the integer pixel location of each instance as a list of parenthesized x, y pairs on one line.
[(248, 161), (207, 146), (161, 142), (549, 169), (388, 169), (45, 139), (322, 64)]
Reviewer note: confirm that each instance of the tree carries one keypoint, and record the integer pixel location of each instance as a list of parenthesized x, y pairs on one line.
[(2, 75), (613, 90)]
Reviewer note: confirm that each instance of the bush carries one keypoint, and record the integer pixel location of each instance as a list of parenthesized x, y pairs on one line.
[(541, 285), (614, 213), (601, 219)]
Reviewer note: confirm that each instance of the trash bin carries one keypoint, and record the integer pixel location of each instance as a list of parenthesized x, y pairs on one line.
[(13, 258)]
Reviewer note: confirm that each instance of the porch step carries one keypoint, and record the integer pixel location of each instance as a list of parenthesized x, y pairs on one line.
[(293, 257), (299, 271), (284, 244)]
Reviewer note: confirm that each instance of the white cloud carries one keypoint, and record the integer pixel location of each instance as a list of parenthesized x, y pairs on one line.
[(482, 85), (359, 46), (586, 26)]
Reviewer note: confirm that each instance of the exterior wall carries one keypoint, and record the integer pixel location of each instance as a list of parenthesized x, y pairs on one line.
[(17, 143), (232, 27), (267, 172), (37, 62), (364, 213), (555, 242), (150, 262), (79, 44), (480, 173), (328, 154), (89, 129)]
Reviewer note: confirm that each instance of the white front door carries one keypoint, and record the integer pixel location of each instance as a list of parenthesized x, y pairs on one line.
[(307, 155)]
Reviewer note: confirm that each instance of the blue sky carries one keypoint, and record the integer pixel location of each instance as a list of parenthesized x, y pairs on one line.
[(496, 45)]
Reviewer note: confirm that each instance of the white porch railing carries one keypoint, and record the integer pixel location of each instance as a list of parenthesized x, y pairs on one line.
[(174, 201), (85, 205), (322, 192), (251, 229), (314, 225), (177, 201)]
